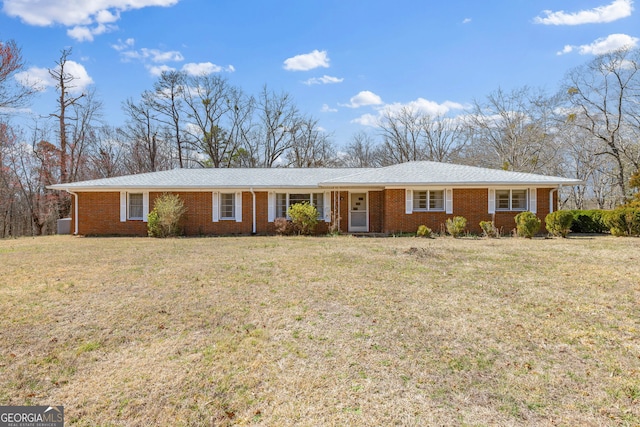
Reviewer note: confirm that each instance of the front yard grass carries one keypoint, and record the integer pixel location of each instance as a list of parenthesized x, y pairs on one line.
[(322, 331)]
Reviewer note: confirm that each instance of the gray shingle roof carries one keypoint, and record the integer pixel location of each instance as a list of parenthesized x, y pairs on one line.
[(214, 178), (427, 173), (405, 174)]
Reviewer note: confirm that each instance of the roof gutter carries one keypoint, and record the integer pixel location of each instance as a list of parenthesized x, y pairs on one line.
[(75, 211), (551, 205), (253, 211)]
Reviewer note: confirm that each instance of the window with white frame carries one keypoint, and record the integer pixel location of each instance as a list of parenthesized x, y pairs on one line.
[(227, 205), (284, 200), (511, 200), (135, 206), (429, 200)]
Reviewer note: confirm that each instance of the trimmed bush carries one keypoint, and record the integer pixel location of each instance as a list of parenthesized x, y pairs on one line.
[(423, 231), (488, 229), (588, 221), (623, 221), (165, 218), (304, 217), (456, 225), (527, 224), (558, 223)]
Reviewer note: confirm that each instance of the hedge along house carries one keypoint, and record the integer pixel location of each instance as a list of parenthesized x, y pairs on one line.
[(389, 199)]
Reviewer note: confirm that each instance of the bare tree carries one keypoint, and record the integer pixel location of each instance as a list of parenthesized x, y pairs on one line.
[(513, 130), (209, 103), (64, 85), (410, 134), (166, 100), (362, 152), (83, 127), (278, 121), (241, 129), (311, 146), (444, 138), (147, 151), (12, 93), (106, 159), (605, 99), (402, 136), (27, 207)]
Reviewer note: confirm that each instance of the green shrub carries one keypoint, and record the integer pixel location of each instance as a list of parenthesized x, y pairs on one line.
[(527, 224), (166, 217), (558, 223), (423, 231), (456, 225), (488, 229), (304, 217), (588, 221), (623, 221)]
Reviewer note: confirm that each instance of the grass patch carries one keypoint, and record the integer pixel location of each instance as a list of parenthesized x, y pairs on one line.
[(322, 331)]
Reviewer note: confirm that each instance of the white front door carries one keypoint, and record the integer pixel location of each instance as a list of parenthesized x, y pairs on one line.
[(358, 212)]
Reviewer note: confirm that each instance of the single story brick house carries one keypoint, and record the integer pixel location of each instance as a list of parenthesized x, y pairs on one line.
[(391, 199)]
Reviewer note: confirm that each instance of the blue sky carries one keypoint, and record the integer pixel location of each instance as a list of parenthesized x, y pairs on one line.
[(344, 61)]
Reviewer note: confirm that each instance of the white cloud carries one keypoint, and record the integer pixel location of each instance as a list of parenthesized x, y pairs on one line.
[(153, 55), (82, 34), (205, 68), (323, 80), (160, 58), (326, 109), (367, 120), (466, 20), (122, 45), (72, 13), (362, 99), (567, 49), (36, 77), (618, 9), (420, 105), (603, 45), (43, 80), (157, 70), (307, 61), (107, 17), (425, 106)]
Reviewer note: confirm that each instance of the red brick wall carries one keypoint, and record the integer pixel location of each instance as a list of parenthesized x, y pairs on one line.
[(473, 204), (100, 213)]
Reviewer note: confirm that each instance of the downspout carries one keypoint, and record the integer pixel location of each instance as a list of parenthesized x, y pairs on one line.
[(551, 206), (75, 211), (253, 211)]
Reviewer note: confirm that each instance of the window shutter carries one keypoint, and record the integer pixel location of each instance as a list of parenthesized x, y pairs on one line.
[(145, 206), (449, 201), (215, 200), (492, 201), (533, 200), (271, 206), (239, 206), (123, 206), (327, 206), (409, 202)]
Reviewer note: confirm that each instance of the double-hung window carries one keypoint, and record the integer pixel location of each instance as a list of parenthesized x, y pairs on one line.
[(511, 200), (429, 200), (285, 200), (135, 206), (227, 206)]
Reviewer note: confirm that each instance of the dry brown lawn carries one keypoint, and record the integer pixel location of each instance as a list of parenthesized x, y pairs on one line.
[(284, 331)]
